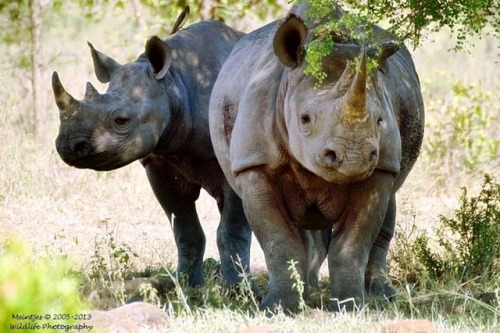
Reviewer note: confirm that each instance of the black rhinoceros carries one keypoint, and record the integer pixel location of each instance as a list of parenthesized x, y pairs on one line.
[(156, 110), (306, 156)]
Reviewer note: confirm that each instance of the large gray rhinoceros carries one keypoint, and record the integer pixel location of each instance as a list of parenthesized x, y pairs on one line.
[(329, 157), (156, 110)]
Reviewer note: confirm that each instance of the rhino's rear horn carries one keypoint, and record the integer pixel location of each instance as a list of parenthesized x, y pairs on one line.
[(91, 93), (65, 102)]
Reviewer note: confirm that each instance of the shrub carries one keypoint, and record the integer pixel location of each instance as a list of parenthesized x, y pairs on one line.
[(468, 243), (39, 287)]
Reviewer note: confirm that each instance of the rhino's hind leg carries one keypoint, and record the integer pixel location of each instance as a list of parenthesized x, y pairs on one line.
[(376, 279), (320, 241), (234, 238), (177, 197)]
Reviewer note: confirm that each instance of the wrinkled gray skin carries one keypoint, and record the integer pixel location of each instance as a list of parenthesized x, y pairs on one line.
[(156, 110), (305, 159)]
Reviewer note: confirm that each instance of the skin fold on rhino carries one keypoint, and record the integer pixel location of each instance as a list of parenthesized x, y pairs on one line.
[(155, 110), (327, 159)]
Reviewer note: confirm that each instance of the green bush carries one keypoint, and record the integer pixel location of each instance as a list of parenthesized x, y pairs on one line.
[(111, 260), (468, 244), (36, 292)]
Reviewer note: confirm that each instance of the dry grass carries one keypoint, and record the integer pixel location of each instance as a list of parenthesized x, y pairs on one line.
[(63, 210)]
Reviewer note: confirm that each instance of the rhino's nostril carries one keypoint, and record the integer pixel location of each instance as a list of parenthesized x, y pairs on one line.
[(331, 158), (373, 155), (81, 148)]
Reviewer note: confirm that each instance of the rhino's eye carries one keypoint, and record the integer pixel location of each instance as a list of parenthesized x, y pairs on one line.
[(121, 120), (306, 123), (305, 119)]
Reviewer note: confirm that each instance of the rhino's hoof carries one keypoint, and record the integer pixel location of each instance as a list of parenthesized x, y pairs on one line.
[(347, 305), (389, 292), (386, 291), (271, 308)]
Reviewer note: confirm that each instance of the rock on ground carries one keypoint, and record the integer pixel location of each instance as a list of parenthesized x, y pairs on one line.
[(130, 318), (411, 326)]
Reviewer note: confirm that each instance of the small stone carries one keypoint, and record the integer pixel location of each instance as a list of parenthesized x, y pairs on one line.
[(141, 313), (454, 309), (488, 298)]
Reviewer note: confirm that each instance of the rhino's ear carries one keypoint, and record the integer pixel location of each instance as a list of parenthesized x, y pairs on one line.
[(388, 49), (288, 41), (104, 66), (159, 55)]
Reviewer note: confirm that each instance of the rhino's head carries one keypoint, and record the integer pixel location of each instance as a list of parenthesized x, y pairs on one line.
[(107, 131), (333, 130)]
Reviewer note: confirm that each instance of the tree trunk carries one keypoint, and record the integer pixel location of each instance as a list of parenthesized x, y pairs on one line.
[(207, 9), (39, 120), (138, 15)]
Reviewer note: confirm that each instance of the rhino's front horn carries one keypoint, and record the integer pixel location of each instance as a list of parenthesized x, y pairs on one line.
[(65, 102), (91, 93), (356, 95)]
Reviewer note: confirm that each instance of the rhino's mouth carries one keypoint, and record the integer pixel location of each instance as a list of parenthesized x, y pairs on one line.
[(98, 162), (344, 172), (340, 178), (342, 175)]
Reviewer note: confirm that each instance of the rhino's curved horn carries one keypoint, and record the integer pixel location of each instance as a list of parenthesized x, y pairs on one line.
[(91, 92), (65, 102), (355, 101)]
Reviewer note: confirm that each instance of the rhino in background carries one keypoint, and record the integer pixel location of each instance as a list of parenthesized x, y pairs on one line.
[(156, 110), (306, 158)]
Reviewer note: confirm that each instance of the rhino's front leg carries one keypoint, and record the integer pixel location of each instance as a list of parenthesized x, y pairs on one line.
[(177, 197), (280, 239), (353, 237), (376, 280), (234, 237)]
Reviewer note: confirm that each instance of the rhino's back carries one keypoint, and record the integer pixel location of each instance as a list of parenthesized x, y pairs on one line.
[(403, 84), (199, 36), (198, 53), (248, 55)]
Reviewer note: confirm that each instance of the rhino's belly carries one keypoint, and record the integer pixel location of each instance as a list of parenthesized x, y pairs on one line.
[(314, 219), (315, 208)]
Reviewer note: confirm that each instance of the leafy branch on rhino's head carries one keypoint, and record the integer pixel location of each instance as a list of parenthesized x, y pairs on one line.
[(330, 24), (408, 20)]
